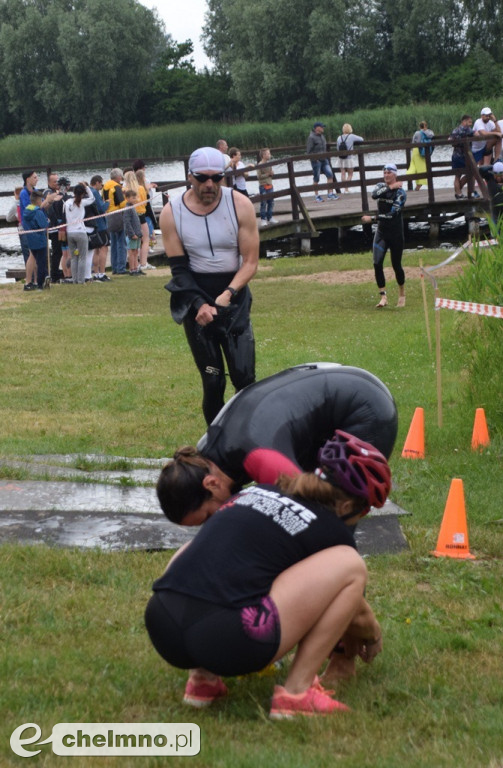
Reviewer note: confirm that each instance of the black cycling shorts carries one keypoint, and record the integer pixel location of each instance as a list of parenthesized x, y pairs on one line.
[(188, 633)]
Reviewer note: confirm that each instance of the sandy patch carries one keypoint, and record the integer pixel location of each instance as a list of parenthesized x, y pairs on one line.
[(351, 276)]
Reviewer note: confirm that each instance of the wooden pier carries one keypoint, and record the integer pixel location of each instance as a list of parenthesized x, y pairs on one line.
[(299, 215)]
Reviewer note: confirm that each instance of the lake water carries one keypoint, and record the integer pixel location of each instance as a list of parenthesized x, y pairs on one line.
[(10, 254)]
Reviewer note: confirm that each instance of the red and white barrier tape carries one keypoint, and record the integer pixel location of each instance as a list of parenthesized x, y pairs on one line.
[(487, 310)]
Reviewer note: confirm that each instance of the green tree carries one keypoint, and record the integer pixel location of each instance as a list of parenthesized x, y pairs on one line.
[(77, 64), (180, 93), (303, 57)]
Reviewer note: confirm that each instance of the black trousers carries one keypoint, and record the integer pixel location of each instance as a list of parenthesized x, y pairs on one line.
[(209, 346), (56, 253), (394, 241)]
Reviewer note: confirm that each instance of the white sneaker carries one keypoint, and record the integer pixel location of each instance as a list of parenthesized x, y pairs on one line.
[(273, 221), (148, 266), (263, 222)]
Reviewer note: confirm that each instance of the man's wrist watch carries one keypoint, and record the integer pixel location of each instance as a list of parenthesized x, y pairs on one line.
[(232, 291)]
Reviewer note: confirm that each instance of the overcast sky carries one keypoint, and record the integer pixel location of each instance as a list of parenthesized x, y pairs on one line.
[(184, 20)]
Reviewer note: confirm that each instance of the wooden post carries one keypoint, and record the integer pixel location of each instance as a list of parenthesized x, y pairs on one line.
[(425, 305), (305, 245), (429, 178), (364, 194), (293, 196), (47, 282), (408, 155), (438, 361)]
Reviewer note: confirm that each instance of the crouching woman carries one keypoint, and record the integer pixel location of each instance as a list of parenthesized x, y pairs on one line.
[(275, 567)]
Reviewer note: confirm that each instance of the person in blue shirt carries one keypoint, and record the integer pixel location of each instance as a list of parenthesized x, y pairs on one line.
[(34, 220)]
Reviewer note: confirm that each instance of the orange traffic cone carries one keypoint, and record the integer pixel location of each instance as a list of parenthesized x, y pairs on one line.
[(453, 536), (414, 442), (480, 434)]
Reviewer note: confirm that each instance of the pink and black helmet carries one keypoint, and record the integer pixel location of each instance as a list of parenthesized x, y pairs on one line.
[(355, 466)]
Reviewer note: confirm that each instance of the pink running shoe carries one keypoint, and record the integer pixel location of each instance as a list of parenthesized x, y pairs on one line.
[(315, 701), (202, 693)]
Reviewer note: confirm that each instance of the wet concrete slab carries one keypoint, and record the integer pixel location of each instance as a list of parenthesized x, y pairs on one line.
[(39, 495), (62, 518), (114, 532), (380, 535), (105, 469), (93, 530), (51, 496), (116, 513)]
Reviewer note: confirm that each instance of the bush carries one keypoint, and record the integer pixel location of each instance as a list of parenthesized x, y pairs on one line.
[(482, 337)]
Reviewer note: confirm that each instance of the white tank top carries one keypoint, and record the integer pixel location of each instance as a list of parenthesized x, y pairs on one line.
[(211, 240)]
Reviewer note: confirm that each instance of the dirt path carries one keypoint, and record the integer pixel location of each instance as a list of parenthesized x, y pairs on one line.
[(342, 277), (351, 276)]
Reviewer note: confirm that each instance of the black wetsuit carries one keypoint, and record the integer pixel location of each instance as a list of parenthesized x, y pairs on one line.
[(294, 412), (495, 191), (389, 233), (209, 264), (212, 608)]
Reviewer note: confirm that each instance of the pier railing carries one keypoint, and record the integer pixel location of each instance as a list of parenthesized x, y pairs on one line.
[(368, 171)]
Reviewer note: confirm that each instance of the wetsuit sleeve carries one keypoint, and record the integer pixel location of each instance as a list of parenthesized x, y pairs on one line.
[(379, 190), (264, 465), (185, 292)]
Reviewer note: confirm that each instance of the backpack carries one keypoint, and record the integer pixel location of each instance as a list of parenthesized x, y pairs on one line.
[(343, 147), (427, 140)]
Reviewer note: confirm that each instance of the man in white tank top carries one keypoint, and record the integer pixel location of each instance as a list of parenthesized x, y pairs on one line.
[(211, 239)]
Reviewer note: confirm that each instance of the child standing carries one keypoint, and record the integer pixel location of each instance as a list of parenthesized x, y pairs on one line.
[(132, 230), (77, 230), (265, 176), (239, 182), (34, 218)]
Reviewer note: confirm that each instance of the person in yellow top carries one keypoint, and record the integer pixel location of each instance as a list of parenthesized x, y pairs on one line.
[(131, 182), (418, 159), (112, 191)]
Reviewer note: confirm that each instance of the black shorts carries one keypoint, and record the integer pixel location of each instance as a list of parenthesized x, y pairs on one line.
[(188, 632), (143, 218)]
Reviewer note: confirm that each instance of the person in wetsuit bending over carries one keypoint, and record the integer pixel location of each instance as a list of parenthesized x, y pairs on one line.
[(275, 426)]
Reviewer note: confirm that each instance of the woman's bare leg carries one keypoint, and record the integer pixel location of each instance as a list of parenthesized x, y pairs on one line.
[(317, 599)]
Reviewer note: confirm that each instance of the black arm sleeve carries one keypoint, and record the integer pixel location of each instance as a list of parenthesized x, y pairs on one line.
[(185, 292)]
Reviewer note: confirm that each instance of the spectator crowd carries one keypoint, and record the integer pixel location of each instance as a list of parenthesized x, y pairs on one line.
[(65, 234)]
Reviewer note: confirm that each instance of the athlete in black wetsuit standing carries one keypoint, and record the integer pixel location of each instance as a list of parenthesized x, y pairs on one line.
[(211, 239), (389, 233)]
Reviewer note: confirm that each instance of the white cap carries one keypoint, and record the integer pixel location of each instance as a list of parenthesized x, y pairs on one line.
[(206, 159), (498, 167), (486, 111)]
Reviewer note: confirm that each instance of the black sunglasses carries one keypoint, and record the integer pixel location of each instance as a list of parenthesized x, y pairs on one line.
[(202, 177)]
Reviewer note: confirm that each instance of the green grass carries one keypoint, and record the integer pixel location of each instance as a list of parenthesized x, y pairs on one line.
[(78, 652), (103, 369), (176, 139)]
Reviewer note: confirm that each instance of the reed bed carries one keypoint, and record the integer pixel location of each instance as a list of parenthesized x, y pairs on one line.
[(175, 140)]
